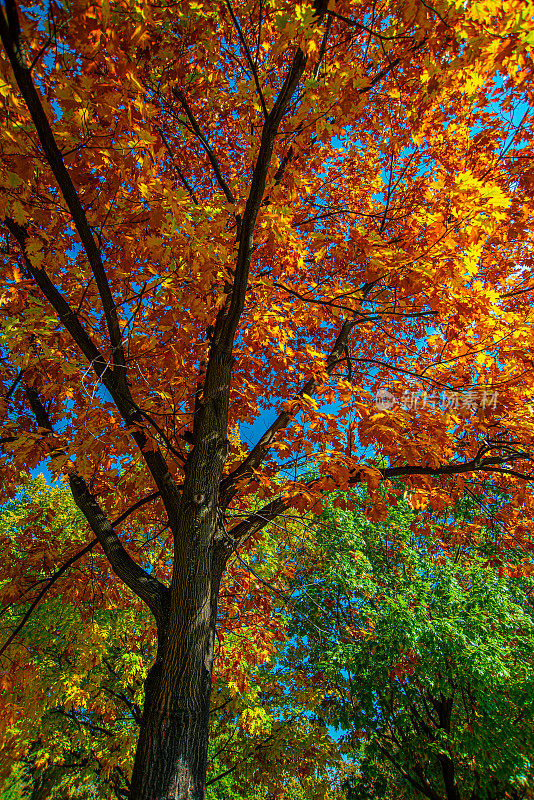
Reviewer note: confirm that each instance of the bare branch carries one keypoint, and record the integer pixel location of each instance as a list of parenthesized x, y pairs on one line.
[(322, 49), (250, 60), (179, 94)]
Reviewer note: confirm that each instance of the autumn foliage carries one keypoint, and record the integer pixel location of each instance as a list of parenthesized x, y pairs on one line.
[(218, 213)]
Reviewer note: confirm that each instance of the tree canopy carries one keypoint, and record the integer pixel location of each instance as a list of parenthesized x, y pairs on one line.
[(218, 211)]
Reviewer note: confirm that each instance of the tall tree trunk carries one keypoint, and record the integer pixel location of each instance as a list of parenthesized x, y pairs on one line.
[(171, 756), (446, 761)]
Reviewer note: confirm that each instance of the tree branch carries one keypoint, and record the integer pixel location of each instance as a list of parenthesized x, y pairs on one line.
[(149, 589), (260, 449), (229, 318), (249, 58), (64, 567), (182, 177), (55, 577), (67, 316), (10, 36), (180, 96), (424, 787), (257, 520)]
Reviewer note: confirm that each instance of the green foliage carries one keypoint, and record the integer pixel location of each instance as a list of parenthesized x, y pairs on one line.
[(73, 674), (426, 660)]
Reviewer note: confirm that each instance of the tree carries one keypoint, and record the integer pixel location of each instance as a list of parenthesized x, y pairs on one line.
[(215, 210), (426, 658)]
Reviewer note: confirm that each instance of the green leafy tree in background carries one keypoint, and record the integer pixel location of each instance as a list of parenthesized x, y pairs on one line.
[(425, 653)]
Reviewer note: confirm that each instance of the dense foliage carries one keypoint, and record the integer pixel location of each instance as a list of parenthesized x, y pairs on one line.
[(425, 653), (215, 211), (408, 656)]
